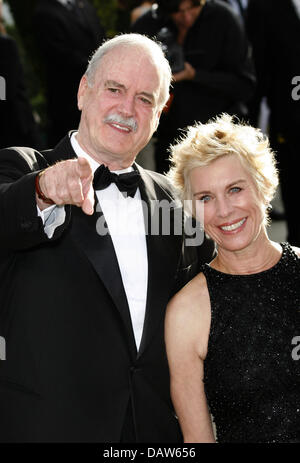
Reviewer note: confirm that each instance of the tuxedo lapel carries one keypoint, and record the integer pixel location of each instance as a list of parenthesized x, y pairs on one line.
[(62, 151), (100, 252), (97, 247), (163, 256)]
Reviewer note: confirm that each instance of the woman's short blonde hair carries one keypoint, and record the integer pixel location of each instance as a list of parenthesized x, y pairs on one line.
[(204, 143)]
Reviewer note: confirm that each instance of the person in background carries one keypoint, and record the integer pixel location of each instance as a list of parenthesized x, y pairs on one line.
[(67, 32), (18, 126), (274, 31), (85, 280), (232, 331), (2, 26), (139, 9), (239, 6), (207, 48)]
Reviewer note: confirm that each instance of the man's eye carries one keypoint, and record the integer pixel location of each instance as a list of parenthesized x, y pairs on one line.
[(113, 90), (145, 100)]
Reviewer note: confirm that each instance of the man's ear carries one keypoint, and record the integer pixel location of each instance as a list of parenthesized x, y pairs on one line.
[(83, 85), (157, 119)]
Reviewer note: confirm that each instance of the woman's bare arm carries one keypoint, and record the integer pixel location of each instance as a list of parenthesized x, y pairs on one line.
[(186, 333)]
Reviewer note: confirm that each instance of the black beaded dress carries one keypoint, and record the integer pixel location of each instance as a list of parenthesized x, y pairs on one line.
[(252, 368)]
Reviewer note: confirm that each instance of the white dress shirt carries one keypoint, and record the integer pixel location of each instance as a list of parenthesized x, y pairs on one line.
[(125, 221)]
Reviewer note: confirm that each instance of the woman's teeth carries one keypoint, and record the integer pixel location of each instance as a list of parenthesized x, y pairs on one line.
[(234, 226)]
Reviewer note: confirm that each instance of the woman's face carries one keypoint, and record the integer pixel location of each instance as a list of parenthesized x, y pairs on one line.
[(233, 210)]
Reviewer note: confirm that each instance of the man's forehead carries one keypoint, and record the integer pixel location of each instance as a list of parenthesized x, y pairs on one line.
[(129, 68), (128, 57)]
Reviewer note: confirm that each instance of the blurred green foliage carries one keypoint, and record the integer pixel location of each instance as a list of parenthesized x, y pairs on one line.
[(108, 14)]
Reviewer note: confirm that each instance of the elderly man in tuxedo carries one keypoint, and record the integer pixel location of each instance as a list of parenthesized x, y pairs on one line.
[(85, 278)]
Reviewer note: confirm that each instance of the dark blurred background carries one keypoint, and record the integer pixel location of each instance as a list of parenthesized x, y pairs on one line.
[(18, 22)]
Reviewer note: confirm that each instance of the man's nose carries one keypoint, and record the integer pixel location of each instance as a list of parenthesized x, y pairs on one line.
[(127, 106)]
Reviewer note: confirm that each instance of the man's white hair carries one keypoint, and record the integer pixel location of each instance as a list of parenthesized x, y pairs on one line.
[(152, 48)]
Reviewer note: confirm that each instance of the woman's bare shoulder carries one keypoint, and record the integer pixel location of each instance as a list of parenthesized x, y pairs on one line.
[(195, 287), (191, 298), (188, 317)]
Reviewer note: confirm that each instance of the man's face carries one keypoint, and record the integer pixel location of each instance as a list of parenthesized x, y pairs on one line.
[(186, 15), (120, 111)]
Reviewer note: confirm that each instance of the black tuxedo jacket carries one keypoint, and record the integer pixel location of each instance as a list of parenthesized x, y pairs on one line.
[(71, 361)]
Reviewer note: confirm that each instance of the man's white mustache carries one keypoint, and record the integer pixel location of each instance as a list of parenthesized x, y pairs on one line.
[(127, 121)]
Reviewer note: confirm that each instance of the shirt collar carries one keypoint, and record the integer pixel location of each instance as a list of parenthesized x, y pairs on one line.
[(94, 164)]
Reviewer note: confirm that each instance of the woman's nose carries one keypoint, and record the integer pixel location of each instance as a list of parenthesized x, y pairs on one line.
[(224, 207)]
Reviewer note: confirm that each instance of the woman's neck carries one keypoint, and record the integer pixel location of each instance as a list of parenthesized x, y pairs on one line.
[(260, 255)]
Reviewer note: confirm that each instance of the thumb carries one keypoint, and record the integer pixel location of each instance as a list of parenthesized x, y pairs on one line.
[(85, 173), (84, 168)]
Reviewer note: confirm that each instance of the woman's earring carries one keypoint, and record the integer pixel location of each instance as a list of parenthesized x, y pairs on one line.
[(269, 208)]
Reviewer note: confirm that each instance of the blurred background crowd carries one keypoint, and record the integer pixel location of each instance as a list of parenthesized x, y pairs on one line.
[(236, 56)]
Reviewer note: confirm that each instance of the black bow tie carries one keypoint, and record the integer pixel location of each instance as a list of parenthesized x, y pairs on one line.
[(127, 183)]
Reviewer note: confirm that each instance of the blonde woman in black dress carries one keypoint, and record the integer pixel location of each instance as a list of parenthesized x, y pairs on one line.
[(233, 332)]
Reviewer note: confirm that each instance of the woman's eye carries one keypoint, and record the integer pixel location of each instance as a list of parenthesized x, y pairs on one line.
[(204, 199), (235, 189)]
